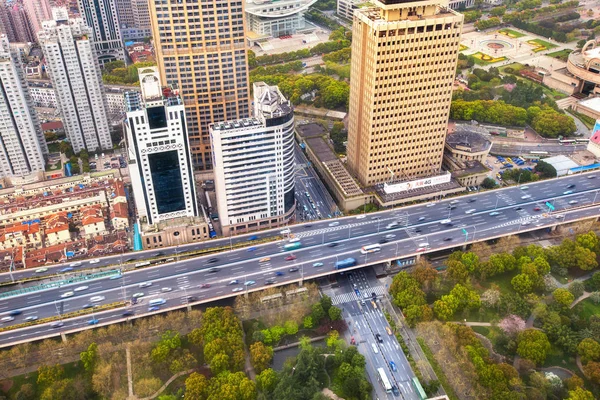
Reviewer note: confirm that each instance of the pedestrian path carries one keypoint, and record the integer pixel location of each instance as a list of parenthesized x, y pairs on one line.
[(349, 297)]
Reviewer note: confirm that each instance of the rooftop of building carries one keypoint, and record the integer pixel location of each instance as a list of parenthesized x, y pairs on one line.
[(592, 103), (468, 138), (595, 137), (310, 130), (172, 223), (269, 101), (244, 123), (468, 168), (421, 192)]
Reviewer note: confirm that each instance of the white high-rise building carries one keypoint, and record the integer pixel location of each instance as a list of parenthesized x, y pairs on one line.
[(22, 143), (254, 164), (101, 16), (160, 163), (69, 51)]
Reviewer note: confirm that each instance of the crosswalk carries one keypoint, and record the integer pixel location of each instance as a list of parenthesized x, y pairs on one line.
[(349, 297)]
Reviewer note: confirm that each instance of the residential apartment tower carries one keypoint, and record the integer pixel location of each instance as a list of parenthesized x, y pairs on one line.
[(101, 16)]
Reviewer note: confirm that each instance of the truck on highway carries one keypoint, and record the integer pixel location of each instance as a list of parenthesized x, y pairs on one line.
[(383, 380), (348, 262), (292, 246)]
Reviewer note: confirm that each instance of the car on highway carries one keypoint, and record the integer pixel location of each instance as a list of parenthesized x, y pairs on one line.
[(66, 294), (422, 218), (97, 299), (471, 200), (128, 313), (447, 239), (424, 244), (81, 288), (41, 270), (95, 261), (471, 211), (388, 330), (451, 207), (249, 283), (14, 313), (393, 366), (279, 273), (334, 223), (525, 223), (573, 202), (383, 241), (363, 216), (395, 390), (591, 177), (537, 209), (379, 338), (284, 232), (290, 258), (375, 349), (420, 249), (145, 284), (205, 286), (66, 269), (138, 295), (233, 282), (265, 259), (251, 249), (237, 289), (115, 277), (391, 225), (293, 269), (31, 318), (494, 213), (213, 270), (86, 306), (430, 204), (568, 192), (270, 281), (445, 221), (253, 237), (7, 319), (75, 264), (571, 186), (317, 264), (153, 308), (526, 196), (524, 187), (191, 299), (159, 254), (454, 201), (212, 260), (559, 216), (165, 289), (332, 244), (518, 208), (417, 230), (93, 321), (57, 324), (390, 236)]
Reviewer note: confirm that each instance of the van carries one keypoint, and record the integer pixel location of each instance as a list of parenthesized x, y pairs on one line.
[(156, 302), (424, 244), (375, 349)]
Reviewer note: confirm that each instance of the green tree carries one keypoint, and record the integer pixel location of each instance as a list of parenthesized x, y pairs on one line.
[(307, 323), (335, 313), (592, 371), (48, 374), (445, 307), (589, 350), (563, 297), (317, 313), (291, 327), (62, 389), (576, 288), (326, 303), (589, 241), (89, 358), (260, 356), (196, 387), (533, 345), (580, 394), (220, 363), (545, 170), (267, 380), (26, 392), (522, 283)]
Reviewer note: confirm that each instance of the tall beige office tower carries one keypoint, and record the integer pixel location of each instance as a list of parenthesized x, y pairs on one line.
[(404, 56), (201, 50)]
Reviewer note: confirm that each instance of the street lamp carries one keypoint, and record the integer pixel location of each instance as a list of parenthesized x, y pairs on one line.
[(497, 199), (593, 201), (519, 180)]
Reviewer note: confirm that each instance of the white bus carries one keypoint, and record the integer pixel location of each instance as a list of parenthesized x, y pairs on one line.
[(156, 302), (372, 248), (383, 379)]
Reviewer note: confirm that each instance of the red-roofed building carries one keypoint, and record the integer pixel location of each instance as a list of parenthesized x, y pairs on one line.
[(16, 235), (594, 143), (92, 220), (57, 229), (119, 216)]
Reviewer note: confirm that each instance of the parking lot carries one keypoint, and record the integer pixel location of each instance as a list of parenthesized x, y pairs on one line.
[(106, 161)]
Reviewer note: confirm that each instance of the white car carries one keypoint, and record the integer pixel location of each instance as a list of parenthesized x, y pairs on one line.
[(573, 202), (525, 223), (95, 261), (41, 270), (145, 284), (97, 299), (524, 187), (237, 289), (75, 264), (471, 211), (137, 295), (81, 288), (363, 216), (390, 236), (421, 218), (67, 294), (7, 319), (31, 318), (494, 213), (165, 289), (430, 204), (445, 221), (284, 232), (334, 224), (526, 197)]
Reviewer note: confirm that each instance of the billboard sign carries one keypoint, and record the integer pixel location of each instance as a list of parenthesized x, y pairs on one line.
[(416, 184)]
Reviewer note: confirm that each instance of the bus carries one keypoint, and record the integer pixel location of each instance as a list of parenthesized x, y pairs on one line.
[(292, 246), (419, 388), (348, 262), (156, 302), (372, 248), (142, 264), (383, 379), (539, 153), (566, 141)]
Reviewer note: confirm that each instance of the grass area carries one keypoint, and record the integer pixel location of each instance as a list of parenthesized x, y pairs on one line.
[(484, 59), (54, 166), (515, 66), (554, 94), (541, 45), (587, 308), (438, 370), (510, 33), (562, 279), (587, 121), (482, 330), (562, 55), (463, 48), (72, 370), (54, 147), (557, 358)]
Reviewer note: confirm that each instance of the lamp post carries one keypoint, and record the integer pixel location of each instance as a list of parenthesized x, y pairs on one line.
[(593, 201), (519, 180), (497, 199)]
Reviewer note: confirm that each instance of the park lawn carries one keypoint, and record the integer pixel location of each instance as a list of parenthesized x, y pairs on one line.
[(463, 48), (515, 66), (484, 59), (510, 33), (587, 308), (557, 358), (72, 370), (562, 55), (541, 45), (482, 330)]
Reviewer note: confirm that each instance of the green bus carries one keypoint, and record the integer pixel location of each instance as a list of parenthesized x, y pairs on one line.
[(419, 388)]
